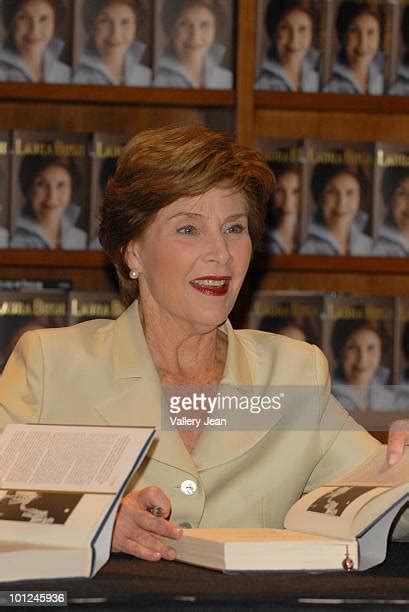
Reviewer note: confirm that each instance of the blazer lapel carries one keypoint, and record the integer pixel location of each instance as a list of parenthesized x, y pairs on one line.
[(217, 447), (137, 394)]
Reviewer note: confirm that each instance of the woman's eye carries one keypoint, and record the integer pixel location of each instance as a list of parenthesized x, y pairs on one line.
[(187, 230), (236, 228)]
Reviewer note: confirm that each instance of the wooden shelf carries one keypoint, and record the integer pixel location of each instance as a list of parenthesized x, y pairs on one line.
[(331, 103), (89, 94), (39, 258), (337, 265)]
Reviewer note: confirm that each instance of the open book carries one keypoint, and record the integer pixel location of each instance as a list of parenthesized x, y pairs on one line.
[(60, 486), (343, 525)]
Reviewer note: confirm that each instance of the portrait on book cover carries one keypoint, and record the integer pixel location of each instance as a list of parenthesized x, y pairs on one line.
[(361, 44), (339, 199), (36, 41), (113, 42), (4, 188), (290, 41), (41, 507), (391, 200), (284, 209), (360, 348), (194, 44), (50, 191), (297, 314)]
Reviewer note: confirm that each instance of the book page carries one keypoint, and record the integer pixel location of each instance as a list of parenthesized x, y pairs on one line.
[(68, 457), (375, 472)]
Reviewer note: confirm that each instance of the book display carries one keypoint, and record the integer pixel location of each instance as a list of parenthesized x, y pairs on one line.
[(251, 114)]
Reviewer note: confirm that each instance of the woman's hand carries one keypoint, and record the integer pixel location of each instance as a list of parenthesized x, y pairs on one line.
[(397, 439), (136, 529)]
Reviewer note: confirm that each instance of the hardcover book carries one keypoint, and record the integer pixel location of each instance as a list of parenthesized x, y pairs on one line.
[(44, 56), (282, 65), (113, 43), (4, 188), (339, 176), (295, 314), (398, 84), (22, 311), (86, 305), (343, 525), (61, 486), (285, 213), (105, 149), (359, 342), (179, 60), (391, 200), (50, 190), (361, 50)]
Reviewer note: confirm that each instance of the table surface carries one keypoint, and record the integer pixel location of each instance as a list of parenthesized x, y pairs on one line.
[(125, 582)]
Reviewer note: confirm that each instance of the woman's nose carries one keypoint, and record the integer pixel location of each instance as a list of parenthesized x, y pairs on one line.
[(217, 250)]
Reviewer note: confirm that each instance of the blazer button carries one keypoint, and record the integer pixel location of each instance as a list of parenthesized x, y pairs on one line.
[(185, 525), (188, 487)]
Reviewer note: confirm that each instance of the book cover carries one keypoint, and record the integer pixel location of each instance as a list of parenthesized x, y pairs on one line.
[(113, 43), (44, 56), (86, 305), (339, 176), (22, 311), (290, 43), (401, 374), (34, 284), (296, 314), (4, 188), (399, 74), (105, 149), (360, 54), (359, 342), (285, 210), (194, 44), (391, 200), (49, 190)]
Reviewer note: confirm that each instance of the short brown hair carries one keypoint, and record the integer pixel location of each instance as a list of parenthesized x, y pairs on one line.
[(10, 8), (90, 11), (158, 167), (173, 8)]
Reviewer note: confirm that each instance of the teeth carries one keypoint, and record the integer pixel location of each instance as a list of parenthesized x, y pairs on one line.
[(210, 282)]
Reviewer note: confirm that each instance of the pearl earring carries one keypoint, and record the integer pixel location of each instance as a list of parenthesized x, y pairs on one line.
[(133, 274)]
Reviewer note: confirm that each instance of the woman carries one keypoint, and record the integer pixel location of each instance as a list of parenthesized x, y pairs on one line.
[(291, 62), (392, 239), (179, 219), (339, 190), (401, 86), (282, 215), (30, 51), (47, 218), (359, 378), (112, 55), (358, 68), (192, 58)]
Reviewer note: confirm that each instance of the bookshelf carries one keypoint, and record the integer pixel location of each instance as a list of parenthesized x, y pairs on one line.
[(250, 114)]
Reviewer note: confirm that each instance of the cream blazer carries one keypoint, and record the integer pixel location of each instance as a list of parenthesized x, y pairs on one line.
[(101, 372)]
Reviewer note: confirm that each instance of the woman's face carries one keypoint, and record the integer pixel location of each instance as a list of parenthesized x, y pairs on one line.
[(34, 26), (361, 356), (115, 28), (340, 200), (287, 193), (362, 39), (51, 192), (192, 260), (194, 32), (400, 205), (293, 36)]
